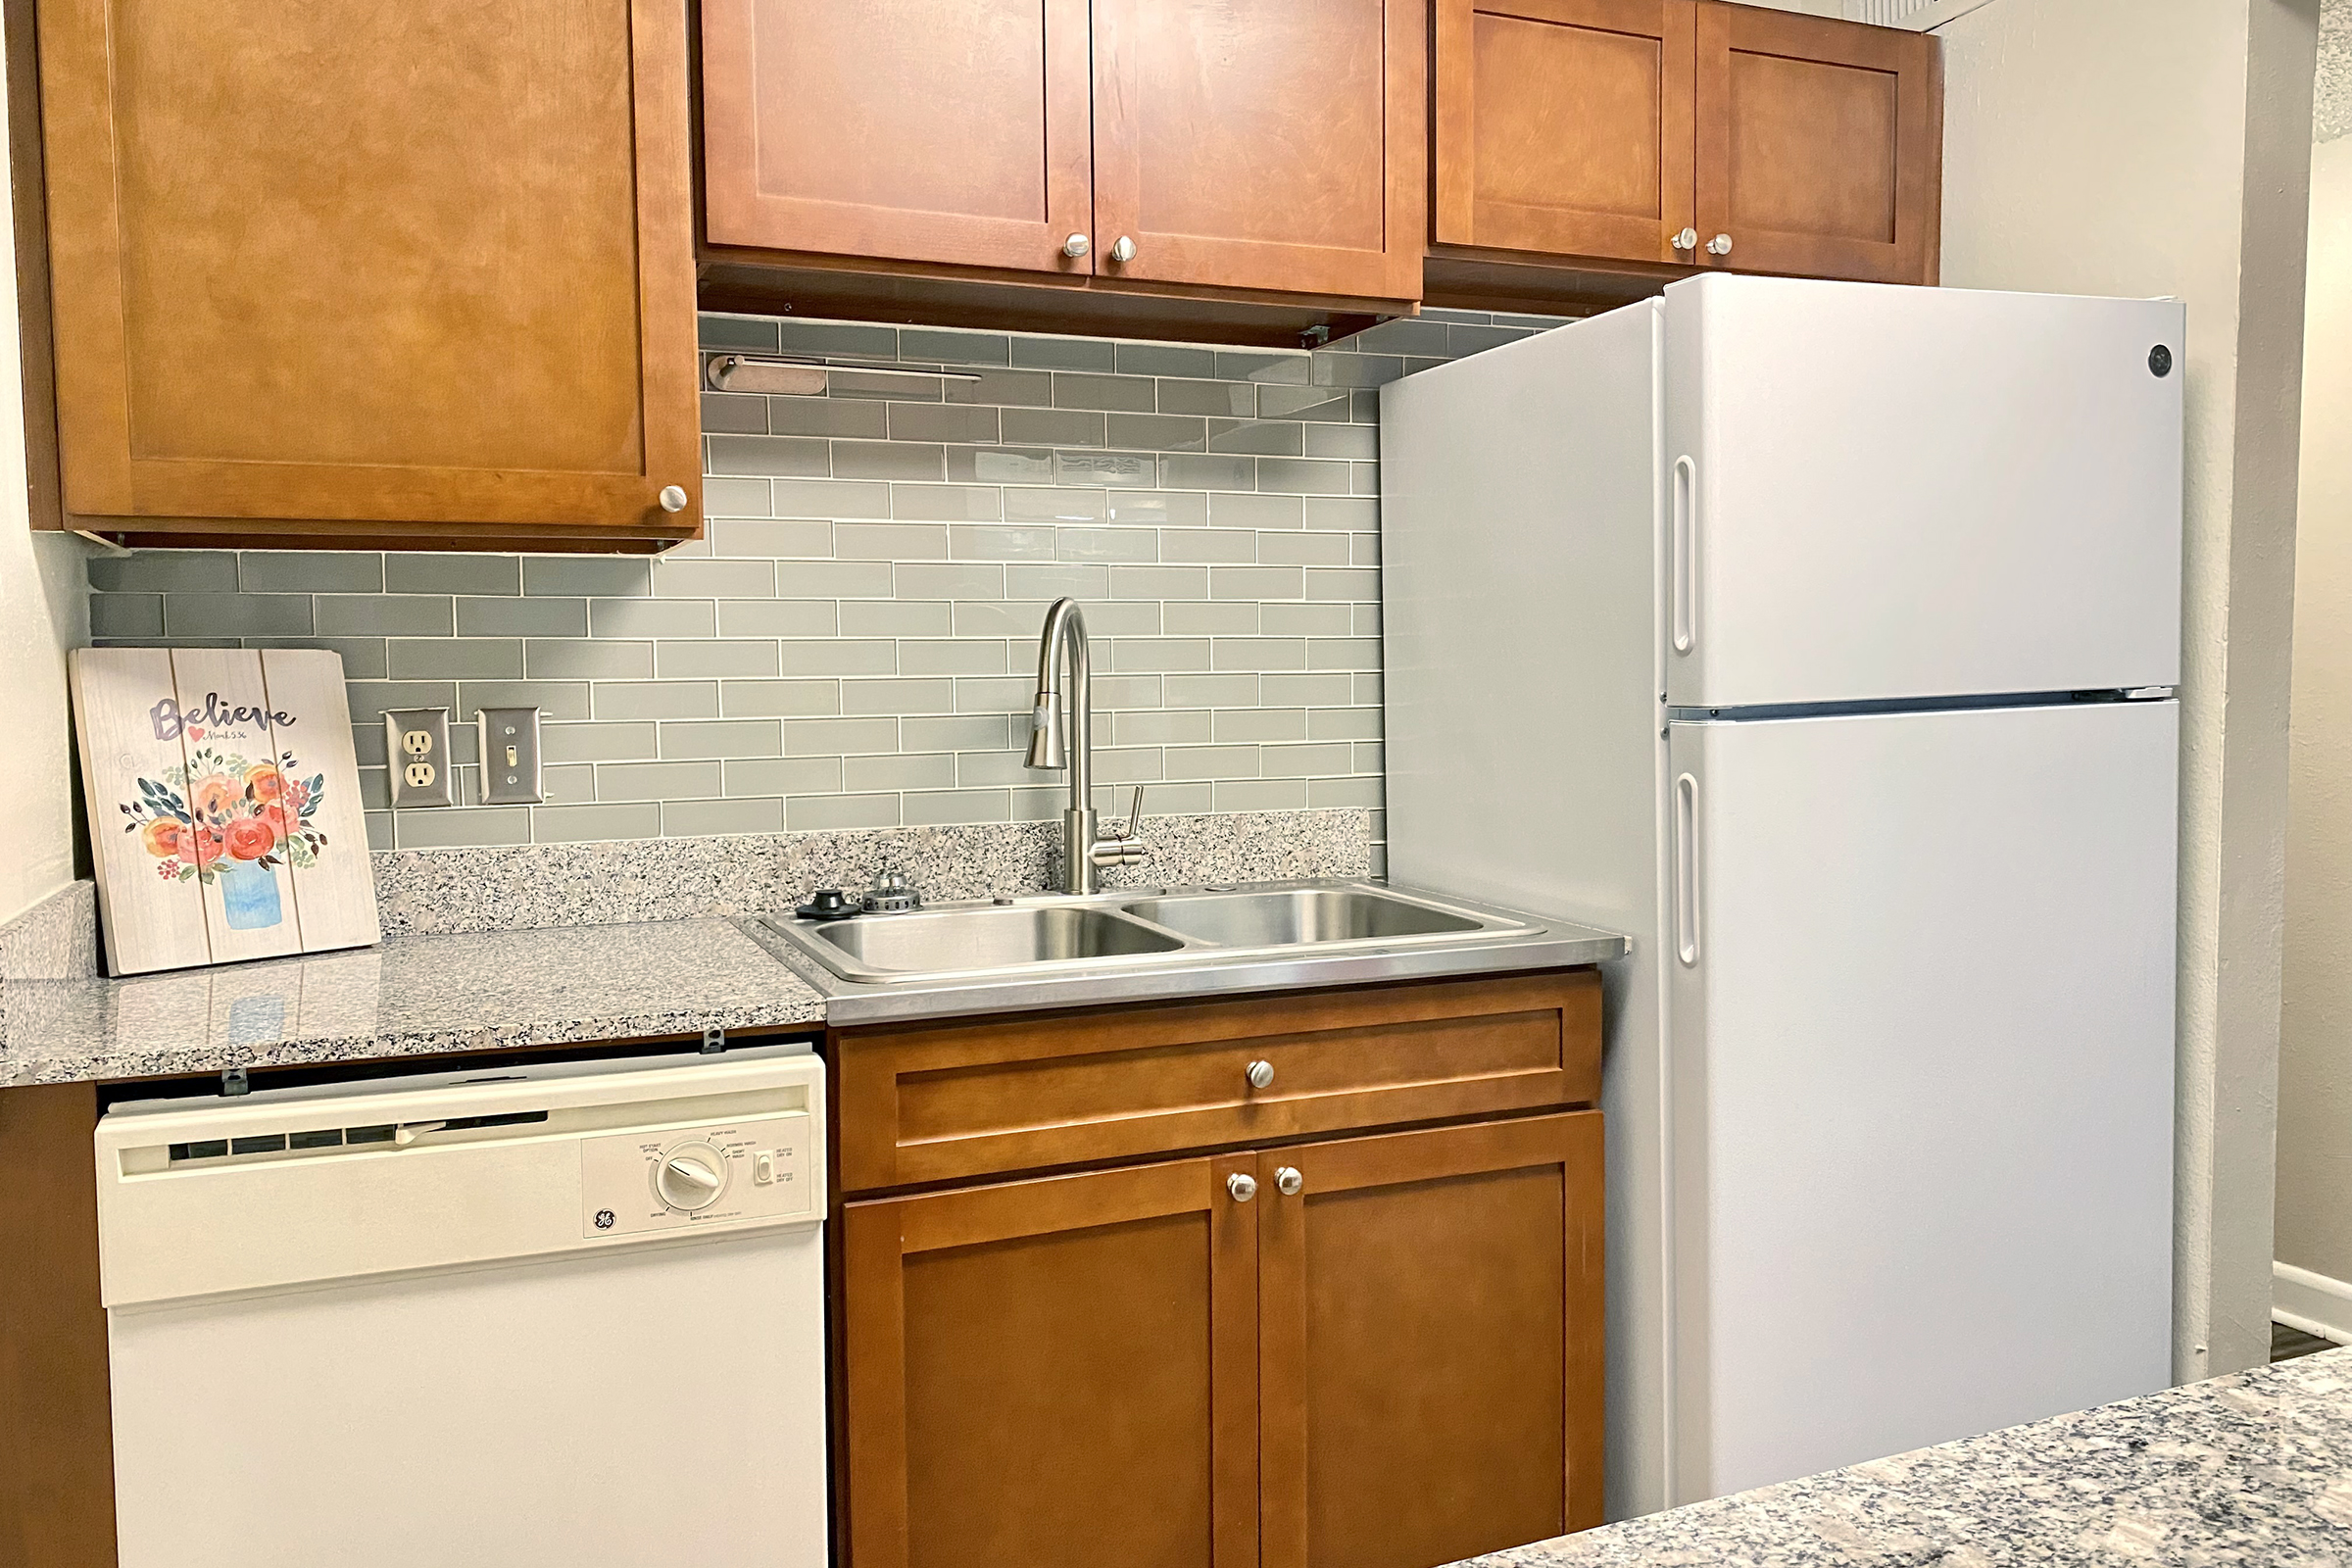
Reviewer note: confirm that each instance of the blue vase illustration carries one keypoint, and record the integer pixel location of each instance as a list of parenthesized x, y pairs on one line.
[(249, 895)]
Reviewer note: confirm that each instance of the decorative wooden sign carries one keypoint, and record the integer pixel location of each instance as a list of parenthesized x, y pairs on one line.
[(224, 804)]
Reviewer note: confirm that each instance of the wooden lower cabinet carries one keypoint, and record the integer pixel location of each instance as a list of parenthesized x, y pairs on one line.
[(1393, 1363), (1053, 1373), (1430, 1343)]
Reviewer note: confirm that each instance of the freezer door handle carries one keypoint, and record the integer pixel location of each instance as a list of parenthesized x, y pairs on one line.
[(1685, 868), (1683, 554)]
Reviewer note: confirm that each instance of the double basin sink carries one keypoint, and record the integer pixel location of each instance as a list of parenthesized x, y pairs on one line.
[(1135, 927)]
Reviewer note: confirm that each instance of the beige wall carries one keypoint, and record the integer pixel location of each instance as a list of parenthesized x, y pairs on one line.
[(2160, 147), (43, 611), (2314, 1056)]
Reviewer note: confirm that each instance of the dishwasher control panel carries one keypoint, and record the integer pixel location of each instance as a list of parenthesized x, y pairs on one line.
[(754, 1171)]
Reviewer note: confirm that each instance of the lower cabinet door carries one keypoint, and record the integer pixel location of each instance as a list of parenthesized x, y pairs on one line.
[(1054, 1374), (1430, 1353)]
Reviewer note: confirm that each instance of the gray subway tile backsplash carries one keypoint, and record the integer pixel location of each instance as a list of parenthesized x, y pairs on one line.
[(852, 642)]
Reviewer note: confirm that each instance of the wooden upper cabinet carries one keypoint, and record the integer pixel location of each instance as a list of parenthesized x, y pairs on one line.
[(1565, 125), (1264, 149), (1053, 1373), (1430, 1363), (1261, 146), (930, 131), (1820, 145), (344, 269), (1605, 130)]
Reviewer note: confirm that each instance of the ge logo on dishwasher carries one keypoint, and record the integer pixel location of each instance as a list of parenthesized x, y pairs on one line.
[(604, 1219)]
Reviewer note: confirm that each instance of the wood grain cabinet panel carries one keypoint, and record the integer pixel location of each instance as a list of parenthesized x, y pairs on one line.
[(1256, 146), (946, 1101), (1430, 1375), (57, 1452), (343, 269), (1820, 145), (932, 131), (1053, 1373), (1565, 125)]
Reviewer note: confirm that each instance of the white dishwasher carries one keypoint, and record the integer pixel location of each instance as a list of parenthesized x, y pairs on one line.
[(567, 1313)]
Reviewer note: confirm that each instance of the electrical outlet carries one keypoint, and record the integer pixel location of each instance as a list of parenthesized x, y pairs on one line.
[(511, 772), (417, 748)]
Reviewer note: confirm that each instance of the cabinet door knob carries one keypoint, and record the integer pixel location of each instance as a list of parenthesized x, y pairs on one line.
[(1243, 1188), (1122, 248), (1288, 1181), (672, 498), (1720, 245), (1686, 240), (1075, 246), (1260, 1074)]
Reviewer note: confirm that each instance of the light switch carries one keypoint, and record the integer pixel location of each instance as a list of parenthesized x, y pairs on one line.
[(417, 755), (511, 770)]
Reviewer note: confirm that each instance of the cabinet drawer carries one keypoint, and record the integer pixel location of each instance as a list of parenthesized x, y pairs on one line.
[(940, 1102)]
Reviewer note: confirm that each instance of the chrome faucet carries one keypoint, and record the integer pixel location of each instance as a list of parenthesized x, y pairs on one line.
[(1054, 744)]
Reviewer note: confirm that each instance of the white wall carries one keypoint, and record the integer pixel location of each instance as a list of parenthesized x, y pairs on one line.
[(2160, 147), (2315, 1054), (44, 610)]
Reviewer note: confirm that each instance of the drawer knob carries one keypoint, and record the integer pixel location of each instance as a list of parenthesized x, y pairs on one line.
[(1243, 1188), (1288, 1182), (1261, 1074)]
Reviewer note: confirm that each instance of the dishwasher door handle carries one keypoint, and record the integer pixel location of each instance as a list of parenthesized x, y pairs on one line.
[(408, 1132)]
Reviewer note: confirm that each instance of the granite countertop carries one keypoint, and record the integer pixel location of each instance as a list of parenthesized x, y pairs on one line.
[(2254, 1468), (410, 996)]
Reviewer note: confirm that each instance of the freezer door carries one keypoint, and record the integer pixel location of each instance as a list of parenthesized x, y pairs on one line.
[(1887, 492), (1921, 1024)]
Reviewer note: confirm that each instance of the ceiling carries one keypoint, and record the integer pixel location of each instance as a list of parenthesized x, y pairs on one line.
[(2331, 111)]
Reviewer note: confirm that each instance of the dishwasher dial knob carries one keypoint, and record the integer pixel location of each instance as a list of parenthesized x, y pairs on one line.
[(691, 1177)]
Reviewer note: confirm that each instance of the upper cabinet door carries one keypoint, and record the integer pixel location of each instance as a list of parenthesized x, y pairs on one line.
[(928, 130), (1820, 146), (1565, 125), (1261, 146), (347, 268)]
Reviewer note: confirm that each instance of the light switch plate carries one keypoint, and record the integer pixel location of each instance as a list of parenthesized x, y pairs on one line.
[(511, 763), (417, 755)]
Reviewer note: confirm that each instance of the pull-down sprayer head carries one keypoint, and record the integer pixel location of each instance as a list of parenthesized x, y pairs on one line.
[(1049, 739)]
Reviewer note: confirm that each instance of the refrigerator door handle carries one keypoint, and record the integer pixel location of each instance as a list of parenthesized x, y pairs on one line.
[(1683, 555), (1685, 869)]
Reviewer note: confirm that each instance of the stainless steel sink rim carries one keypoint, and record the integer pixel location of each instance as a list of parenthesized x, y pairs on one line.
[(809, 938)]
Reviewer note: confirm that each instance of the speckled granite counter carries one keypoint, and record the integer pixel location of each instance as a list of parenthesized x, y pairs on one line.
[(2252, 1469), (412, 996)]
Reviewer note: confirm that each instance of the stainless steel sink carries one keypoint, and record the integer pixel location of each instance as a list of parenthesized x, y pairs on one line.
[(1053, 950), (1139, 928), (961, 941), (1289, 915)]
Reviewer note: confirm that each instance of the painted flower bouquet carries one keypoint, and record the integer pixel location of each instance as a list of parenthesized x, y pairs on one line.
[(218, 812)]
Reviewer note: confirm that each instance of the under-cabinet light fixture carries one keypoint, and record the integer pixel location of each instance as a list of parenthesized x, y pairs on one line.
[(750, 372)]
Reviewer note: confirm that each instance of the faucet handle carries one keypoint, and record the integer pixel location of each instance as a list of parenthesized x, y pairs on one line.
[(1119, 845)]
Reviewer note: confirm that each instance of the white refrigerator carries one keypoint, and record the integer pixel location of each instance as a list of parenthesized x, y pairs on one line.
[(1823, 637)]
